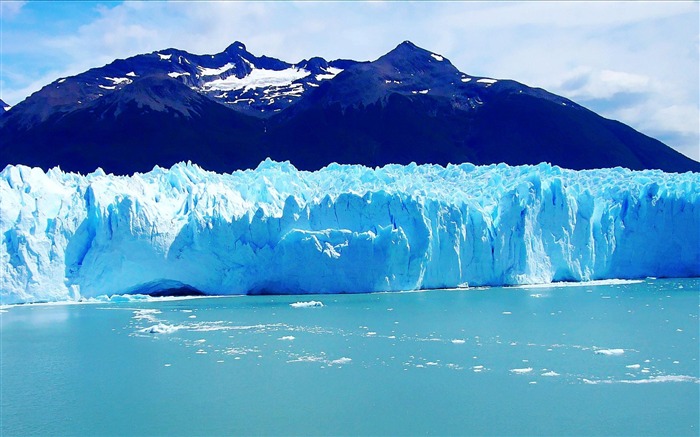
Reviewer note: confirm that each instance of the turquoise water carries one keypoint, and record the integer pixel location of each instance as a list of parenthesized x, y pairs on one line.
[(616, 359)]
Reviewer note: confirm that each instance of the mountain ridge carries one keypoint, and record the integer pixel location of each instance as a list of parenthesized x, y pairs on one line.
[(236, 109)]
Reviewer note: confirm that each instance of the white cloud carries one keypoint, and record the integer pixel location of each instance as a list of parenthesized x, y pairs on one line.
[(683, 119), (586, 83), (11, 95), (10, 9)]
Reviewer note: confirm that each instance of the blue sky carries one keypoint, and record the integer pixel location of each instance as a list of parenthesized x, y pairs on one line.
[(637, 62)]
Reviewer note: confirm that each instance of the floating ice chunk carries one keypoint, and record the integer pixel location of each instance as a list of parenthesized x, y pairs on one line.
[(146, 314), (310, 304), (506, 313), (161, 328), (595, 283), (650, 380), (633, 366), (521, 371), (308, 359), (340, 361), (666, 378), (610, 352), (239, 351), (287, 338), (550, 373), (458, 341)]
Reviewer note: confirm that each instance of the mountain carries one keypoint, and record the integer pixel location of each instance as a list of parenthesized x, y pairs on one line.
[(232, 110)]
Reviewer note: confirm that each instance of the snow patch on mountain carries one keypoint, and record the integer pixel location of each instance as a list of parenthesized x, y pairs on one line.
[(258, 78), (175, 74), (215, 71), (119, 80), (331, 72)]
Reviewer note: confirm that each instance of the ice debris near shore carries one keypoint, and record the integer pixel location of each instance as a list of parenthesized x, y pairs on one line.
[(344, 228)]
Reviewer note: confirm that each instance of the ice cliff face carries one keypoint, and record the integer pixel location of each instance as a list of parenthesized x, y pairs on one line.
[(341, 229)]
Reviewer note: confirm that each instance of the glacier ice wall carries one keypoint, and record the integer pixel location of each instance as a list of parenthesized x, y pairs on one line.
[(341, 229)]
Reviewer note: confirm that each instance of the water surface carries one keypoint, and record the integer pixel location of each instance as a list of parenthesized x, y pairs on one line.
[(618, 359)]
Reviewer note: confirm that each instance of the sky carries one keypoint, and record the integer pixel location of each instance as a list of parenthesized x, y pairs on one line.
[(636, 62)]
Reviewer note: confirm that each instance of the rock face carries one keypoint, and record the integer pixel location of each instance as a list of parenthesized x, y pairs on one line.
[(232, 110), (345, 228)]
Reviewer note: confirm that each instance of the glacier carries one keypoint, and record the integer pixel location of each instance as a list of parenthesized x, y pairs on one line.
[(342, 229)]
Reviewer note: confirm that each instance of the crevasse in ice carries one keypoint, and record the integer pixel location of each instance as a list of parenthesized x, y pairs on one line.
[(341, 229)]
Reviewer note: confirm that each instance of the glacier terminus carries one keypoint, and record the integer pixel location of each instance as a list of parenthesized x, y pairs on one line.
[(341, 229)]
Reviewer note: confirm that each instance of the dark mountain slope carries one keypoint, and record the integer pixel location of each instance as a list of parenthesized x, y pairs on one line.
[(520, 129), (153, 121), (409, 106)]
